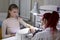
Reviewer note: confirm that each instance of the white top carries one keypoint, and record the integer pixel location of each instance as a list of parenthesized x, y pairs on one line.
[(12, 26), (46, 35)]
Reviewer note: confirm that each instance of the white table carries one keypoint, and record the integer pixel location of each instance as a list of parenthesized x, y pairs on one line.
[(22, 32), (20, 35)]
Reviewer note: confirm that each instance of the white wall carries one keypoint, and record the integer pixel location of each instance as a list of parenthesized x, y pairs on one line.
[(14, 2), (40, 2), (3, 9), (27, 5), (52, 2), (4, 5), (25, 8), (3, 16)]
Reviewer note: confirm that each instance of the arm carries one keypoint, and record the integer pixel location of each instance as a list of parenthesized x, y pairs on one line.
[(4, 27), (24, 23)]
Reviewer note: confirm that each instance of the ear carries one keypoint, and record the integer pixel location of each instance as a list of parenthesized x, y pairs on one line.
[(9, 11), (45, 21)]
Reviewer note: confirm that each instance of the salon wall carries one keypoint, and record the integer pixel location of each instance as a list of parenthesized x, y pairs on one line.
[(25, 9), (3, 16), (52, 2), (4, 5), (25, 6), (3, 9), (40, 2), (14, 2)]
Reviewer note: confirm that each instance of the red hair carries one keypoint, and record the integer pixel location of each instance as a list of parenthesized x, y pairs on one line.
[(53, 20), (46, 16)]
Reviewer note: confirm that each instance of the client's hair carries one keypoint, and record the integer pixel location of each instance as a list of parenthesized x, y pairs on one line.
[(12, 6)]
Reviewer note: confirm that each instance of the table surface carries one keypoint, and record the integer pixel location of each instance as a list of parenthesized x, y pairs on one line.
[(14, 37)]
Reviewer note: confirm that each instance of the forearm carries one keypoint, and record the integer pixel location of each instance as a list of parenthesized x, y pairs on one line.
[(29, 26), (24, 23), (6, 36)]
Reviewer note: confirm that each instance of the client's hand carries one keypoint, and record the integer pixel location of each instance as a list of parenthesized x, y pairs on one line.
[(32, 30), (11, 35)]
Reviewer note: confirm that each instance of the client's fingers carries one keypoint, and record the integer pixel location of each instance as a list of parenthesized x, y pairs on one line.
[(12, 35), (32, 30)]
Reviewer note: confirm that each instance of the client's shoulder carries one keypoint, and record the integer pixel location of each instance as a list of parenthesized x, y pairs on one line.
[(4, 21)]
